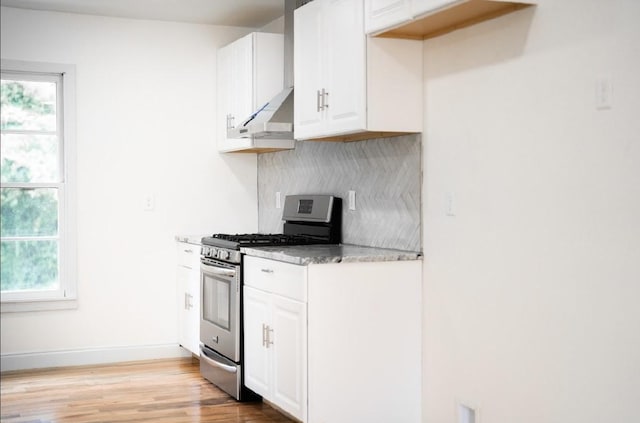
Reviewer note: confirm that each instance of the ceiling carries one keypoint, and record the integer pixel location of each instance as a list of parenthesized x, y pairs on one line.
[(244, 13)]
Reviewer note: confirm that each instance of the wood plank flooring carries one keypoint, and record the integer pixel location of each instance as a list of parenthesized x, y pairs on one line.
[(147, 391)]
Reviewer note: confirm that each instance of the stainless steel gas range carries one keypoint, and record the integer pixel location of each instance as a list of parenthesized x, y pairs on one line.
[(308, 219)]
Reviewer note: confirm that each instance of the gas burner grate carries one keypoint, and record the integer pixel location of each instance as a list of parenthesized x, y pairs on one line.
[(243, 240)]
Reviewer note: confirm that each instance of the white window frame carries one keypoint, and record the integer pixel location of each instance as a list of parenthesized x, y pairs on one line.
[(66, 296)]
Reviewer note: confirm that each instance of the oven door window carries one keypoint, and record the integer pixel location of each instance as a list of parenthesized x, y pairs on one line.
[(216, 301)]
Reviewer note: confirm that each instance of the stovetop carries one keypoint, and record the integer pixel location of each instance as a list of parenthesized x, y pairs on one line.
[(235, 241)]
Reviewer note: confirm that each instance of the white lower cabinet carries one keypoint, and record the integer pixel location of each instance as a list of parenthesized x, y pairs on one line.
[(336, 342), (275, 337), (188, 281)]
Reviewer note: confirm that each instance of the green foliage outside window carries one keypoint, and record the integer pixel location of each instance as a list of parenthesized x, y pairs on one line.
[(29, 256)]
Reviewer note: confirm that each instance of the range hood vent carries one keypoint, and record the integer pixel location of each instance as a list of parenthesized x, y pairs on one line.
[(274, 120)]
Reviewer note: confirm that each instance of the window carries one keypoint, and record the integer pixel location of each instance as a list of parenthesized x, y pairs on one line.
[(37, 180)]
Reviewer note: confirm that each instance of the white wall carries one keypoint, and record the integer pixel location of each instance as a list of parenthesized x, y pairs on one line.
[(532, 288), (145, 124)]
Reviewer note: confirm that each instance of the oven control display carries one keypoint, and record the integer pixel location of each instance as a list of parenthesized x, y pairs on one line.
[(305, 206)]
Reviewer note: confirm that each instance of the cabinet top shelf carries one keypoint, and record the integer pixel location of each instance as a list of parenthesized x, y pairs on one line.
[(448, 19)]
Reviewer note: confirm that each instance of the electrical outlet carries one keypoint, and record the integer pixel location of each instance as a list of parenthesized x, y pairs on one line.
[(352, 200), (278, 200), (604, 93), (149, 202), (467, 414), (450, 203)]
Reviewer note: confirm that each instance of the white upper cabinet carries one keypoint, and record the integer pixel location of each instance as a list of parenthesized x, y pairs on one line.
[(308, 56), (250, 72), (422, 19), (381, 14), (420, 7), (348, 86)]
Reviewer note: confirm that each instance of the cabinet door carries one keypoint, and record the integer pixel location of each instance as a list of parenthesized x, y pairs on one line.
[(383, 14), (243, 70), (188, 280), (193, 308), (235, 87), (182, 276), (346, 67), (256, 357), (289, 337), (224, 92), (308, 60), (421, 7)]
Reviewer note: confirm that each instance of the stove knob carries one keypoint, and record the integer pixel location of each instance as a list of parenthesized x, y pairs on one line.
[(204, 251), (223, 255)]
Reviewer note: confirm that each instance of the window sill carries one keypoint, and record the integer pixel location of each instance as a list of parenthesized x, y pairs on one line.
[(45, 305)]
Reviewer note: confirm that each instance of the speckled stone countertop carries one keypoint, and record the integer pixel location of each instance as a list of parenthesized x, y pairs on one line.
[(343, 253), (191, 239)]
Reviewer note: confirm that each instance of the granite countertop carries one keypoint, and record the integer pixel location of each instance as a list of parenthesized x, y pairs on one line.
[(191, 239), (332, 253)]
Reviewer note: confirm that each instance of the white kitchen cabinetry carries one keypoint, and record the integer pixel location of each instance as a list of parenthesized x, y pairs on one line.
[(188, 279), (382, 14), (275, 333), (347, 86), (422, 19), (353, 337), (250, 73)]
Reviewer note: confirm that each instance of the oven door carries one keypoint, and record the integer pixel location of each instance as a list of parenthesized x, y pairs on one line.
[(220, 308)]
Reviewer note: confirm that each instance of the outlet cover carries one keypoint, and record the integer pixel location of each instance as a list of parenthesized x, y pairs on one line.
[(352, 200)]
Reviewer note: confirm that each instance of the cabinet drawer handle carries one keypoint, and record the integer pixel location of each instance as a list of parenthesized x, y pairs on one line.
[(269, 341), (266, 338), (189, 251), (318, 105), (266, 270), (264, 335)]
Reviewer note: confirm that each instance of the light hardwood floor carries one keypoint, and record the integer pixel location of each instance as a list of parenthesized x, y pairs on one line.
[(147, 391)]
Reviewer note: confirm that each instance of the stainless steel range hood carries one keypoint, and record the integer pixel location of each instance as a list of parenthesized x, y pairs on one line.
[(274, 120)]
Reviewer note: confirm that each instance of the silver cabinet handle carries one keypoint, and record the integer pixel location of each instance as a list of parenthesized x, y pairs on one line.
[(189, 251), (264, 335), (266, 338), (266, 270), (269, 341), (318, 105), (186, 302), (230, 119)]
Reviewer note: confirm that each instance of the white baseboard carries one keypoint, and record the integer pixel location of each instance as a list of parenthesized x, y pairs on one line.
[(40, 360)]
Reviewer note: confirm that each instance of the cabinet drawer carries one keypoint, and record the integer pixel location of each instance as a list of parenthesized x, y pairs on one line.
[(288, 280), (188, 255)]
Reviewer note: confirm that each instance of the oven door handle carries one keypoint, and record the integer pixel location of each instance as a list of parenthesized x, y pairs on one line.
[(211, 361), (218, 270)]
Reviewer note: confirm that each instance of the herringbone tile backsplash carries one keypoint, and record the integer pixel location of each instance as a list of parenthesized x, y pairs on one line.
[(385, 173)]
